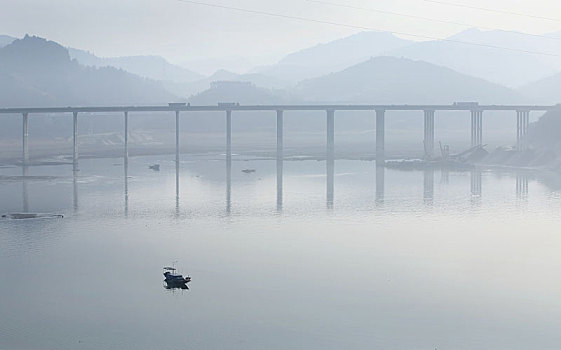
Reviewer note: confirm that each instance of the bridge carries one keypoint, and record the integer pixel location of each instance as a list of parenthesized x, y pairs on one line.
[(379, 112), (476, 111)]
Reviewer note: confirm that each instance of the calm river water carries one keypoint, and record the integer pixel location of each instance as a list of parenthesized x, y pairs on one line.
[(392, 260)]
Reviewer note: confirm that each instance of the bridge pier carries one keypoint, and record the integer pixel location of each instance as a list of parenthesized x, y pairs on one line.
[(522, 123), (126, 149), (380, 131), (228, 160), (429, 133), (476, 127), (25, 138), (74, 141), (280, 156), (126, 163), (177, 155), (330, 156)]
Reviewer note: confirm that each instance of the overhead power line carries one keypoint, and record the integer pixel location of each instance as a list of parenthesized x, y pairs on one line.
[(429, 19), (506, 12), (312, 20)]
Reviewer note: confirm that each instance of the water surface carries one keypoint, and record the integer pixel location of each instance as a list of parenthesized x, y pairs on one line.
[(385, 259)]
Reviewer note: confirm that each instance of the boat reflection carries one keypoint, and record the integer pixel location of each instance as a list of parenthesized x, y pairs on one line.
[(170, 285)]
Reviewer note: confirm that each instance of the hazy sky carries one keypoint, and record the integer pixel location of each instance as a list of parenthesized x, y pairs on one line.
[(184, 32)]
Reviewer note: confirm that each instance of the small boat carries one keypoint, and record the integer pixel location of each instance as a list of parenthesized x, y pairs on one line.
[(248, 171), (155, 167), (173, 278)]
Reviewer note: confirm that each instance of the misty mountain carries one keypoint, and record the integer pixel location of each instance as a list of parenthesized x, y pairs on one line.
[(5, 40), (242, 92), (333, 56), (37, 72), (399, 80), (152, 67), (256, 79), (547, 90), (208, 65), (505, 67)]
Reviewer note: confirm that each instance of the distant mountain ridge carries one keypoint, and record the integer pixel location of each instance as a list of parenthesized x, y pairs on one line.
[(401, 80), (37, 72), (483, 58), (152, 67), (506, 67), (547, 90), (333, 56)]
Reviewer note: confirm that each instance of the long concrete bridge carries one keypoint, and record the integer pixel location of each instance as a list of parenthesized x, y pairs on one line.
[(379, 111), (476, 111)]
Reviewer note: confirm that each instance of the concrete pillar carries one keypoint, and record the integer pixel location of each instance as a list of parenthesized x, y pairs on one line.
[(380, 142), (228, 160), (280, 157), (330, 157), (25, 138), (524, 129), (330, 134), (75, 141), (472, 128), (518, 130), (126, 164), (476, 128), (176, 154), (522, 124), (525, 125), (229, 134), (126, 150), (429, 134), (480, 128)]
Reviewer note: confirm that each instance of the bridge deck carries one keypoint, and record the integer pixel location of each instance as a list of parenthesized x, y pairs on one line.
[(343, 107)]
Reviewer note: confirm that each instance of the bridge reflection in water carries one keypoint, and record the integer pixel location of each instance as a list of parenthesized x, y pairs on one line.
[(428, 188)]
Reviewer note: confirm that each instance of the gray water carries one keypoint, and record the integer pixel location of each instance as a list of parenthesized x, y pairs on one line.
[(387, 260)]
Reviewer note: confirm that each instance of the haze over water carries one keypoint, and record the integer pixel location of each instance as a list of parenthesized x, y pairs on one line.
[(431, 261)]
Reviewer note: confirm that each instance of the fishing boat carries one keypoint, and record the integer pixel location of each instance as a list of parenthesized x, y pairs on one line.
[(174, 278)]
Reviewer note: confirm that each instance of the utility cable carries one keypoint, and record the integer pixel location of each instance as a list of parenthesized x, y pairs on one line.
[(493, 10), (429, 19), (311, 20)]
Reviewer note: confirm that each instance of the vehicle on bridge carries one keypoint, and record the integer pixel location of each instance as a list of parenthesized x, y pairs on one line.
[(465, 104), (228, 104)]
